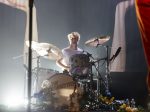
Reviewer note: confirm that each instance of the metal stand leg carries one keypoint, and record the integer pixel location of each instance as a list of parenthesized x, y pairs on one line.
[(107, 76), (37, 76)]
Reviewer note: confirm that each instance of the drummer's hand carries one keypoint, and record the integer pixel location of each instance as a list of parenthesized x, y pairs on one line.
[(62, 65), (65, 71)]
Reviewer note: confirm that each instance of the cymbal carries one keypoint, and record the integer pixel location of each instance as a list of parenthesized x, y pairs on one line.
[(46, 50), (93, 42)]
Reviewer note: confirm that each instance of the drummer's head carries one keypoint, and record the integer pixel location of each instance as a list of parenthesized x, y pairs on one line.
[(74, 35)]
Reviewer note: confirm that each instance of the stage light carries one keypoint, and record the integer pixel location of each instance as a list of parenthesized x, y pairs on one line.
[(14, 100)]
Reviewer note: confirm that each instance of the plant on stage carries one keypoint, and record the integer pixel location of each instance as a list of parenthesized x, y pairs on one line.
[(127, 108), (120, 105), (107, 100)]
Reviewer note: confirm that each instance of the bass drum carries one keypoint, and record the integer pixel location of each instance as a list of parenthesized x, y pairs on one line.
[(59, 88), (39, 75)]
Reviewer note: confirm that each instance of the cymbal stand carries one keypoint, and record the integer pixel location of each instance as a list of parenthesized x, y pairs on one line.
[(106, 82), (107, 76), (90, 89), (100, 80), (90, 84), (37, 69)]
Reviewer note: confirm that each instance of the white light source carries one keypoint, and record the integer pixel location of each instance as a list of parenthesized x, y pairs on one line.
[(14, 99)]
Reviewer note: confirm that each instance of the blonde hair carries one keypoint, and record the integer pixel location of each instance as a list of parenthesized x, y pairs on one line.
[(72, 34)]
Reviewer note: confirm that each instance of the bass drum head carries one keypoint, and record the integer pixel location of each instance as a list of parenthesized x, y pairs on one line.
[(61, 86)]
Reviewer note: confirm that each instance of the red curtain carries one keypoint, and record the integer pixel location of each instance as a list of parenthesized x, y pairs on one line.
[(143, 18)]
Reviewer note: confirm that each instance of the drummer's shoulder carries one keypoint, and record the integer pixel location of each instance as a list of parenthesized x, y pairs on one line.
[(65, 49)]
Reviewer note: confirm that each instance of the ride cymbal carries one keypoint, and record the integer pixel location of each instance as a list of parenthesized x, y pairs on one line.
[(94, 42)]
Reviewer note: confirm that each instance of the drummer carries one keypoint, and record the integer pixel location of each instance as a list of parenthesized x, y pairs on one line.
[(72, 49)]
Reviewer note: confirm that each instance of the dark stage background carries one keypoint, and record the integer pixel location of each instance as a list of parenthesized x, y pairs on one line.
[(57, 18)]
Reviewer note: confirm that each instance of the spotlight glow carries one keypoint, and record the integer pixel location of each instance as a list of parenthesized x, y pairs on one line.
[(14, 100)]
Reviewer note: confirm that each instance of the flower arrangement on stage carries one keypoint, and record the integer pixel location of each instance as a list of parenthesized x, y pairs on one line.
[(107, 100), (120, 105), (127, 108)]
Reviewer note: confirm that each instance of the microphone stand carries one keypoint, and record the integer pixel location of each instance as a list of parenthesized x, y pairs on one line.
[(30, 55)]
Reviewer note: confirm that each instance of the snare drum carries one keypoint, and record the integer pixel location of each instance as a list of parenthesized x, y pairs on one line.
[(62, 86), (79, 64)]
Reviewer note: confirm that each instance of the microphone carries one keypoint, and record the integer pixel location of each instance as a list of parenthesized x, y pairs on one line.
[(117, 52)]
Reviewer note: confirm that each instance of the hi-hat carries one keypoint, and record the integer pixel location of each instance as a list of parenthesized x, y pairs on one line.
[(97, 41), (46, 50)]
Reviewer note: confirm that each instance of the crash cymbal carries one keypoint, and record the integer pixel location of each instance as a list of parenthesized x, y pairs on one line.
[(46, 50), (93, 42), (53, 52)]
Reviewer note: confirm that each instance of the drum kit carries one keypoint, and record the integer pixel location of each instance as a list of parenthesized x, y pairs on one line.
[(75, 90)]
